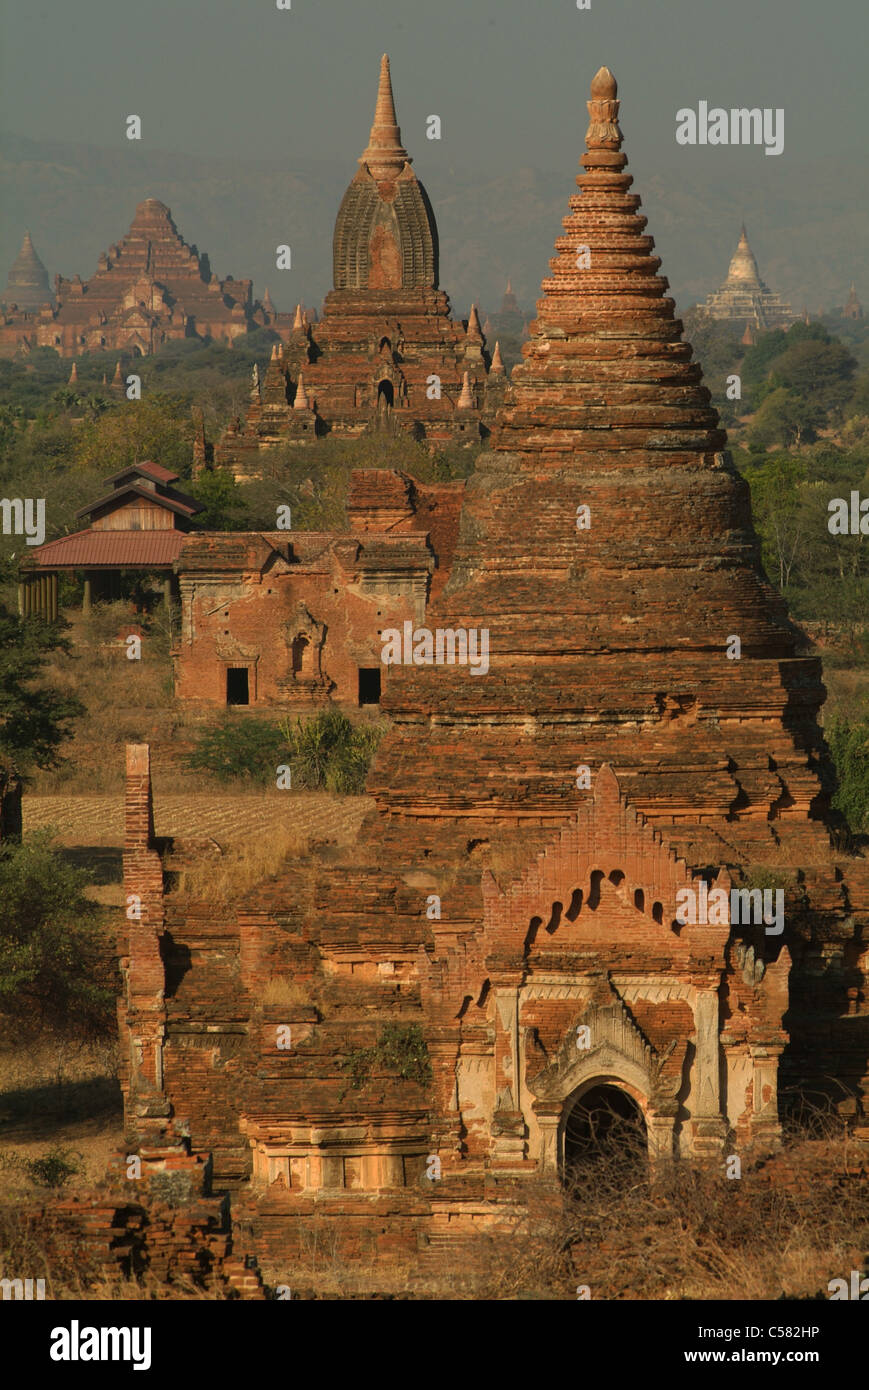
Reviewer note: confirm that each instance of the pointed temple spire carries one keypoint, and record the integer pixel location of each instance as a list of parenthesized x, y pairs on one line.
[(474, 330), (377, 246), (297, 321), (73, 376), (466, 398), (301, 400), (497, 366), (744, 296), (385, 155)]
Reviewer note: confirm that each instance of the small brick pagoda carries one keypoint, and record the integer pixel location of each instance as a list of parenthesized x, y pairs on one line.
[(148, 289), (386, 354), (515, 891)]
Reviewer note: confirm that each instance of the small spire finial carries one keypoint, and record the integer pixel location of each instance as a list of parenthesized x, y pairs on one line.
[(603, 113), (604, 86), (385, 155)]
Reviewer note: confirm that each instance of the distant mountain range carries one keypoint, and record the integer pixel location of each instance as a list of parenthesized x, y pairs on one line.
[(806, 225)]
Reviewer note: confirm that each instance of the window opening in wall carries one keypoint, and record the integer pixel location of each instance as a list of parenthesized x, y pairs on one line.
[(237, 687), (300, 648), (369, 685)]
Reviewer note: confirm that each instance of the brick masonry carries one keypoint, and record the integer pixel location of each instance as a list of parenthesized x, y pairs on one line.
[(518, 880)]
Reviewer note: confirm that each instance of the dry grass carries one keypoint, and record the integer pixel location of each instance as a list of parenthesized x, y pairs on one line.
[(281, 990), (692, 1234), (229, 876), (59, 1095), (28, 1252)]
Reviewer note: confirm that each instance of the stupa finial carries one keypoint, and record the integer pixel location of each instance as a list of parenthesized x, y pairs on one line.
[(603, 113), (385, 155)]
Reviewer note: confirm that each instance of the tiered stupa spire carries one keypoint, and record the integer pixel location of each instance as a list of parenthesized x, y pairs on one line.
[(384, 154), (607, 549)]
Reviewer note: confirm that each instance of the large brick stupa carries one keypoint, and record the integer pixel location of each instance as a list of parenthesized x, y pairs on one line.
[(646, 733)]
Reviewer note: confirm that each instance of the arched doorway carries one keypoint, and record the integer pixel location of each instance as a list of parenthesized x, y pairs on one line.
[(602, 1128), (385, 395)]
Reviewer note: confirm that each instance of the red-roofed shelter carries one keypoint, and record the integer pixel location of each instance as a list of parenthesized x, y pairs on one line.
[(139, 524)]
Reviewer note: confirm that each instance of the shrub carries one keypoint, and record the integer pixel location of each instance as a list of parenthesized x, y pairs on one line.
[(54, 1168), (238, 749), (400, 1048), (329, 751), (849, 745), (57, 965)]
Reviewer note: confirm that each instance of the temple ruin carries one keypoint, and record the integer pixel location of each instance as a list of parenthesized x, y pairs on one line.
[(648, 728)]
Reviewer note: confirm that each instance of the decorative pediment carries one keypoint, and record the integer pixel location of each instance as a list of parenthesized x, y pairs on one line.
[(609, 839), (603, 1039)]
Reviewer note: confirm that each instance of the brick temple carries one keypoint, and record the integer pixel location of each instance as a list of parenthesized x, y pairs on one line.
[(281, 618), (648, 729), (149, 288), (386, 354)]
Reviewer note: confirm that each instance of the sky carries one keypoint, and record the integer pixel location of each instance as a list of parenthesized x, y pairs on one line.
[(240, 76), (240, 79)]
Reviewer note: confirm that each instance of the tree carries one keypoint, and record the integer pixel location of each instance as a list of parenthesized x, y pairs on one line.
[(777, 506), (155, 427), (56, 962), (785, 419), (35, 719), (221, 496), (817, 372)]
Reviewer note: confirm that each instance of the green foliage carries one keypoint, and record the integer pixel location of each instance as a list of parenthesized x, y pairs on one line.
[(848, 742), (54, 1168), (400, 1048), (57, 966), (329, 751), (242, 749), (35, 719), (223, 500), (786, 418), (824, 576), (819, 372), (156, 427)]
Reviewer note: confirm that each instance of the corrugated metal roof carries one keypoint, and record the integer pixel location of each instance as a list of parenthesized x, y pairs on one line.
[(170, 501), (118, 549), (151, 469)]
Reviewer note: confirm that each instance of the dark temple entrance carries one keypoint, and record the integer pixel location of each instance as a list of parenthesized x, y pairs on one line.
[(604, 1128), (237, 687)]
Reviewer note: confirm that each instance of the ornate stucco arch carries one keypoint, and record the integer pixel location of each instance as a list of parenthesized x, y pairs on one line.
[(617, 1054)]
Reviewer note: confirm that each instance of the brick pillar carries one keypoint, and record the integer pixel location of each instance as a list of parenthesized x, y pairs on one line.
[(142, 1013)]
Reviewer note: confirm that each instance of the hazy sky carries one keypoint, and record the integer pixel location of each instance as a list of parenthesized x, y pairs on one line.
[(508, 77), (243, 80)]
